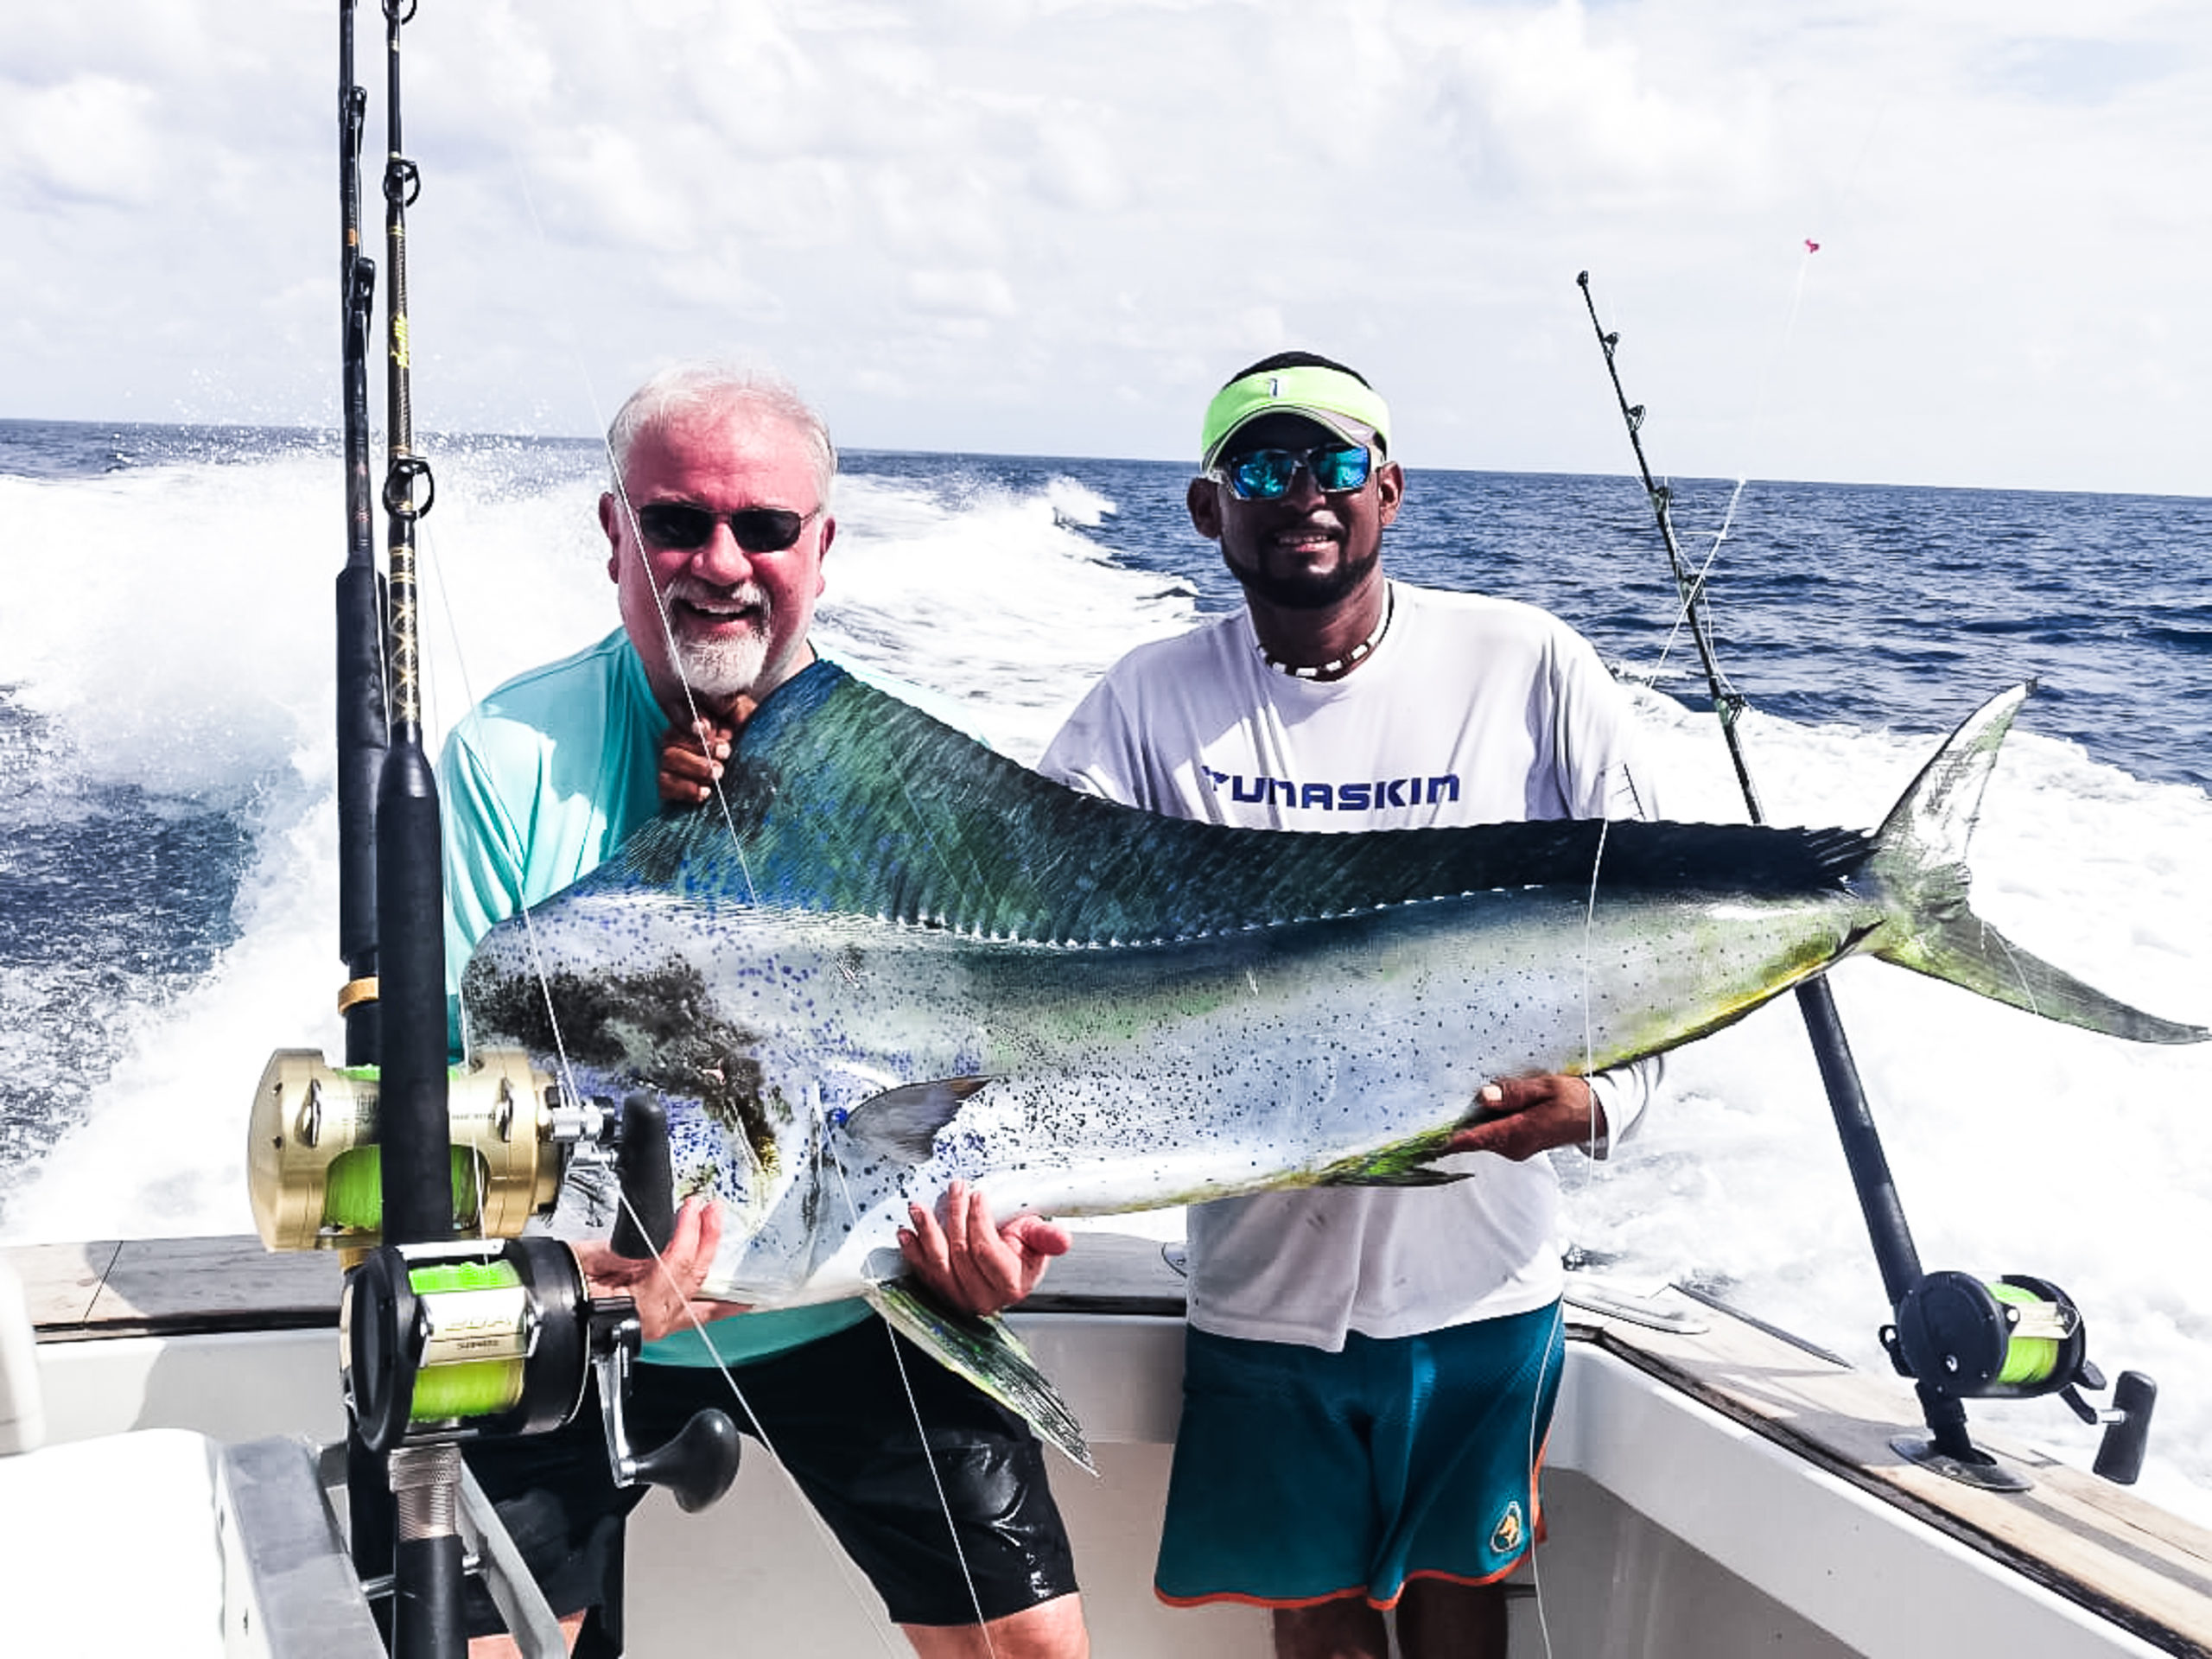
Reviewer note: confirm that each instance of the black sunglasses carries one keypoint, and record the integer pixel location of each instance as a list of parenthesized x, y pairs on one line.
[(680, 527)]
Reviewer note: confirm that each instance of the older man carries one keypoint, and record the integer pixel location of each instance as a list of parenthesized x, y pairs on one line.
[(1368, 1372), (716, 530)]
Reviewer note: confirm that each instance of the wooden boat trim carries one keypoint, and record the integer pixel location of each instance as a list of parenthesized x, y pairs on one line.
[(2095, 1544)]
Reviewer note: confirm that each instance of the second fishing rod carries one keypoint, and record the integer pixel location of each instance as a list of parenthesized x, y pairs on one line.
[(1938, 1316)]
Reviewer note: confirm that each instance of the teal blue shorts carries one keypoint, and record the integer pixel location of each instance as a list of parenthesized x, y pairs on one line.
[(1302, 1476)]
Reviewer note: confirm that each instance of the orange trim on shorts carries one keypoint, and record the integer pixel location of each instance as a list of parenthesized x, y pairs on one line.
[(1243, 1600)]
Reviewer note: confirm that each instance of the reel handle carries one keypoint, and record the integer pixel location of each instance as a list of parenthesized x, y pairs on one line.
[(697, 1466), (648, 1215), (2128, 1429)]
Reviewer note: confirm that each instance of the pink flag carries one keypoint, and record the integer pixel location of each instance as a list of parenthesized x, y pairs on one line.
[(1811, 247)]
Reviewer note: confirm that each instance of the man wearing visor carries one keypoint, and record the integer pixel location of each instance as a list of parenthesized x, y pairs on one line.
[(1369, 1372)]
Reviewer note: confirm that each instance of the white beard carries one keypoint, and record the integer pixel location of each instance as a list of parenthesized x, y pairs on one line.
[(724, 668)]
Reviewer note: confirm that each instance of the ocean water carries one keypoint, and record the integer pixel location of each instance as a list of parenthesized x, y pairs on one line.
[(167, 861)]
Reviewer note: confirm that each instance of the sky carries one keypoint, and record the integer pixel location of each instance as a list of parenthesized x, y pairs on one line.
[(1034, 227)]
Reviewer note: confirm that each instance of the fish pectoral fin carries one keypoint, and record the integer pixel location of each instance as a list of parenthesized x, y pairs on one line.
[(903, 1122), (988, 1353), (1406, 1164), (1419, 1176)]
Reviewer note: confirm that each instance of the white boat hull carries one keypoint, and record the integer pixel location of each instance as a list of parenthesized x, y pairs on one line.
[(1707, 1495)]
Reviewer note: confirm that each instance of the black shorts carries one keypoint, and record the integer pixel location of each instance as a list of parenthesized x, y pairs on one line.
[(836, 1413)]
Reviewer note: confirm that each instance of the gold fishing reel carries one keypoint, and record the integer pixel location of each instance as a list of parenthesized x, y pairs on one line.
[(314, 1169)]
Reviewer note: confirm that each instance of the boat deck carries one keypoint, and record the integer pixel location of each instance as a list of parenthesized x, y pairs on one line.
[(2090, 1543)]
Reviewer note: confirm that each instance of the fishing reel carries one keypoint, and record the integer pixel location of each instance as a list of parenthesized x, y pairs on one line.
[(449, 1342), (445, 1343), (2014, 1337), (314, 1169), (490, 1333)]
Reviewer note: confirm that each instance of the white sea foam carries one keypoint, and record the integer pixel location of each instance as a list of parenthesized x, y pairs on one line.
[(995, 599), (171, 626)]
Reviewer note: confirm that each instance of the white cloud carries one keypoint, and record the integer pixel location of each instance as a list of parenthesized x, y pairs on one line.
[(89, 138), (960, 293), (1545, 104), (937, 218)]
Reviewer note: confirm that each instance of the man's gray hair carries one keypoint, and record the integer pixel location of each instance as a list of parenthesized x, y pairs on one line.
[(709, 385)]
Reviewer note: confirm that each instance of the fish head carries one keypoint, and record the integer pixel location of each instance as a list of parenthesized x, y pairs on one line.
[(609, 1022)]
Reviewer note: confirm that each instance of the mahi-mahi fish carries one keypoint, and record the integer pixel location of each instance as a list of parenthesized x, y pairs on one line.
[(890, 957)]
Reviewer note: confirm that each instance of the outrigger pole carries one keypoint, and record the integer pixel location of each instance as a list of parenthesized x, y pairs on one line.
[(1955, 1336)]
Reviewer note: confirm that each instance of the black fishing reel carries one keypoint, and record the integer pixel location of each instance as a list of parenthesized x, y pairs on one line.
[(2014, 1337), (462, 1341), (451, 1342)]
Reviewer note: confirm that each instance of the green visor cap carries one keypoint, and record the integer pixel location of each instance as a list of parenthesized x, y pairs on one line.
[(1339, 401)]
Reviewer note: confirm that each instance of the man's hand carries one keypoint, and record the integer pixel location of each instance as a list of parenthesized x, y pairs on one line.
[(1519, 1117), (972, 1265), (665, 1290), (691, 761)]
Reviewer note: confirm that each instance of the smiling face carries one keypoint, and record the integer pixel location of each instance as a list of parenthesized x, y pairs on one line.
[(1308, 550), (738, 621)]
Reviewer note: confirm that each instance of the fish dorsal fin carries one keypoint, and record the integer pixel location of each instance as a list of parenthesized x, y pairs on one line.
[(841, 799), (902, 1123), (989, 1354)]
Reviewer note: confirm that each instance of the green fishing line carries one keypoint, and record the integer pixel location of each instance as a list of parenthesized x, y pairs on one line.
[(476, 1388), (352, 1193), (2027, 1359), (435, 1278), (482, 1388)]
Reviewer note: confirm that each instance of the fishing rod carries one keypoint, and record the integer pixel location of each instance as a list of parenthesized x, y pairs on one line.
[(410, 900), (364, 732), (1954, 1337), (453, 1327), (414, 1141), (364, 729)]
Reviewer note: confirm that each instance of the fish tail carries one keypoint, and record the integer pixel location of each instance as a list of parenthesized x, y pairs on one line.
[(1920, 859)]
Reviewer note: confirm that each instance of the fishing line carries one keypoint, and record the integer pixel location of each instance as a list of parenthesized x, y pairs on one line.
[(1686, 608), (1553, 1339), (538, 965), (846, 1572), (1589, 930), (943, 1503), (622, 494), (847, 1575), (898, 1361)]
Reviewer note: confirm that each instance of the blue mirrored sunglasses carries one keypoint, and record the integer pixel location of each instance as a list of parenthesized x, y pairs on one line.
[(1267, 474)]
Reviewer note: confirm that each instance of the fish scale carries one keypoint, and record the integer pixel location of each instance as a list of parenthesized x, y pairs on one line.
[(915, 961)]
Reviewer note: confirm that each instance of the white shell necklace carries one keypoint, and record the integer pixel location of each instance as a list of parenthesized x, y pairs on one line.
[(1344, 664)]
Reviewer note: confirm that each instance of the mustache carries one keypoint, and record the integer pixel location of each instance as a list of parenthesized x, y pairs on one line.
[(689, 590)]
